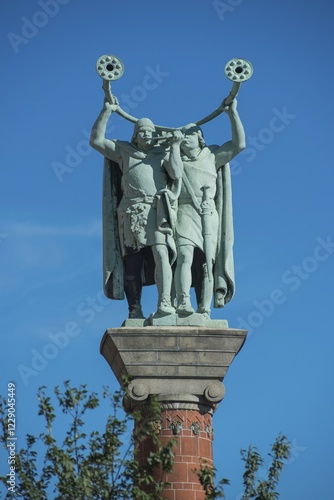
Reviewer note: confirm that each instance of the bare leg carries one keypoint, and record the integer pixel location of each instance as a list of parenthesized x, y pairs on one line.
[(183, 278), (133, 283), (163, 278)]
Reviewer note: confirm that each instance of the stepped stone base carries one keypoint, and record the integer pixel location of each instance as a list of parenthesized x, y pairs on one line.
[(179, 364)]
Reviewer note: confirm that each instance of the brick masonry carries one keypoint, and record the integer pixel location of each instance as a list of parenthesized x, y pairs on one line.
[(193, 432)]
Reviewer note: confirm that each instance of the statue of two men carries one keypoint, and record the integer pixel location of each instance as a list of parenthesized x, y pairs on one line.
[(167, 215)]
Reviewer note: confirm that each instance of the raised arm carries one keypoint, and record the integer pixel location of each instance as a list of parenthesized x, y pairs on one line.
[(231, 148), (98, 140)]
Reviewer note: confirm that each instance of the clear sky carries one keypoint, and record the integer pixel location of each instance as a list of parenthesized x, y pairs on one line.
[(50, 229)]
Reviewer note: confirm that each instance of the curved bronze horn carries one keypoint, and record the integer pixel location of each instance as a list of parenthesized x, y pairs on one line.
[(238, 71), (110, 68)]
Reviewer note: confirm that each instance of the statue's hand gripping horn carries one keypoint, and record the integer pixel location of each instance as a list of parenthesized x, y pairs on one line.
[(111, 68)]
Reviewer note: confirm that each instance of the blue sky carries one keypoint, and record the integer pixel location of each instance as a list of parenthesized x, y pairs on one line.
[(50, 229)]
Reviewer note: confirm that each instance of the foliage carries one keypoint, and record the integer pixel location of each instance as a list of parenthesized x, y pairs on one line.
[(100, 467), (263, 490), (86, 467), (266, 489), (206, 476)]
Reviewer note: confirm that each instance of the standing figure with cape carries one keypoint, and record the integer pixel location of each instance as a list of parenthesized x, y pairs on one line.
[(141, 186), (204, 227)]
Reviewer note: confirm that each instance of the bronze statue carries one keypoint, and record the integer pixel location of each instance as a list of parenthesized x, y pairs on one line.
[(167, 211)]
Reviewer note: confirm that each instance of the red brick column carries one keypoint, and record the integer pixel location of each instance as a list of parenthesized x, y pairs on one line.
[(183, 367), (191, 426)]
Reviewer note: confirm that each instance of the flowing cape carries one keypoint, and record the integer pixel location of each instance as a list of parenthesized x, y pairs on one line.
[(113, 271), (224, 263)]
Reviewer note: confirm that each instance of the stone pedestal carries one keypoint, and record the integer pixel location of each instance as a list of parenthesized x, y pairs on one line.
[(184, 368)]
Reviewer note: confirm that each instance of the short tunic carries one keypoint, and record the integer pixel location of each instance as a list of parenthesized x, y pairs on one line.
[(143, 174), (200, 172)]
